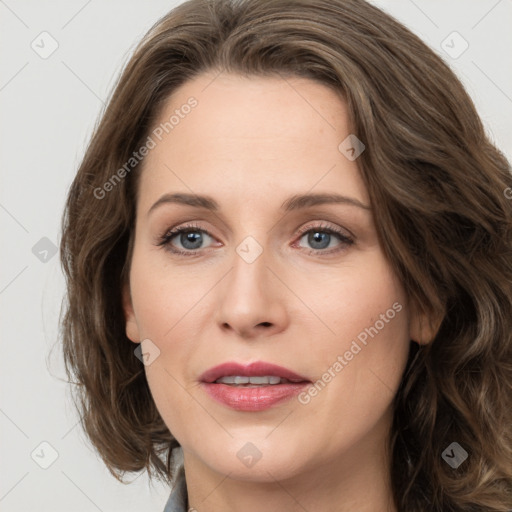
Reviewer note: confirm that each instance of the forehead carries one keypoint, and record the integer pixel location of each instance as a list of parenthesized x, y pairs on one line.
[(240, 135)]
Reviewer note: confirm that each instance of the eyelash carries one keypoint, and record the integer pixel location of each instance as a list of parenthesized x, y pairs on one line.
[(165, 239)]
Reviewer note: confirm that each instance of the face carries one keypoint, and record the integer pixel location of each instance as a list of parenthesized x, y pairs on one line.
[(264, 278)]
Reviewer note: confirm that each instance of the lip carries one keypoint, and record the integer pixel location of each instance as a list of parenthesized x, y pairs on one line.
[(258, 368), (252, 399)]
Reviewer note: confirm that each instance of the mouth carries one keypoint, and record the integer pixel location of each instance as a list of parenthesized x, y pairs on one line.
[(253, 382), (252, 387), (258, 373)]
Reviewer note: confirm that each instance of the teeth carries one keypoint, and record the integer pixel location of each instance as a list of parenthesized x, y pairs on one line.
[(239, 379)]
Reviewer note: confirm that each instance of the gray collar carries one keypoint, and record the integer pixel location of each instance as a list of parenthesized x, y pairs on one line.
[(178, 501)]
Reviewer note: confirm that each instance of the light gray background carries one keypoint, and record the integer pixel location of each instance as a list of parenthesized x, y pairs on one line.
[(49, 108)]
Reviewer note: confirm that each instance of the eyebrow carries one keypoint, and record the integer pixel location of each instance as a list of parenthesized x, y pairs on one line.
[(296, 202)]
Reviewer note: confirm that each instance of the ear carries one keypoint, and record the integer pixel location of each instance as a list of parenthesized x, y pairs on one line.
[(132, 329), (423, 328)]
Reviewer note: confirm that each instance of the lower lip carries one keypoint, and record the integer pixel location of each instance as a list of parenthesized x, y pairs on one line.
[(252, 399)]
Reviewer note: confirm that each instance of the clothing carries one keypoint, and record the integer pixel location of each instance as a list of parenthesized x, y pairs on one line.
[(178, 500)]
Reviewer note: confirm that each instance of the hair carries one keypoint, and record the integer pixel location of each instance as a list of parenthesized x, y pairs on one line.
[(437, 185)]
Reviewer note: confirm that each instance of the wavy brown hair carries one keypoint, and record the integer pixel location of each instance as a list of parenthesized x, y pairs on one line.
[(438, 187)]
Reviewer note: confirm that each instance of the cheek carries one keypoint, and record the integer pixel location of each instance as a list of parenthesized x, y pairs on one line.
[(174, 402), (349, 303), (161, 312), (362, 354), (164, 298)]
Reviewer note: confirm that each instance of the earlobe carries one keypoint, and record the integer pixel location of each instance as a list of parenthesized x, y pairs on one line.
[(132, 329), (423, 328)]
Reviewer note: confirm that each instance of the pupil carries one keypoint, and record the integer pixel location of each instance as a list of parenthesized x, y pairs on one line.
[(316, 237), (191, 237)]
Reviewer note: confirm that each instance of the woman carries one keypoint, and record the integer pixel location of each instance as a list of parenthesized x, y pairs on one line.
[(288, 254)]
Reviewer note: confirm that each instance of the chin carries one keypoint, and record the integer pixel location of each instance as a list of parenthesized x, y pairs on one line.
[(256, 461)]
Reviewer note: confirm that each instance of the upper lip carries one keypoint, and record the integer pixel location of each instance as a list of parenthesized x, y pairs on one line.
[(256, 369)]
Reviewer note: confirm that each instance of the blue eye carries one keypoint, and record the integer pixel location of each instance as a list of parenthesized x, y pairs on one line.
[(320, 238), (191, 238)]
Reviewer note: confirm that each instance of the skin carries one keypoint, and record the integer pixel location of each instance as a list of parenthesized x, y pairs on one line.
[(251, 144)]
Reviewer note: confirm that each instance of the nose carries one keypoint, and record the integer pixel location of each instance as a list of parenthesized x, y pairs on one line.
[(251, 299)]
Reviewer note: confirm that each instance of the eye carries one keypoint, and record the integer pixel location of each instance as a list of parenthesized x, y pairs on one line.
[(321, 237), (190, 237)]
